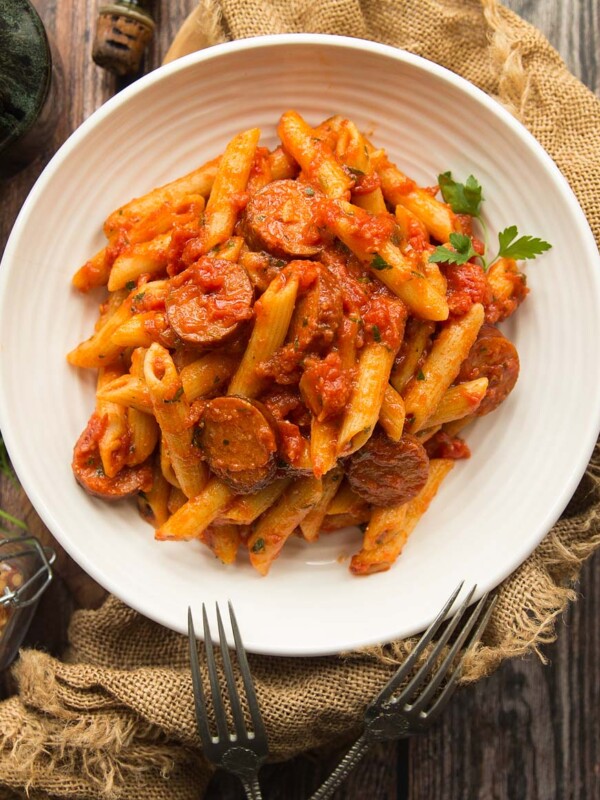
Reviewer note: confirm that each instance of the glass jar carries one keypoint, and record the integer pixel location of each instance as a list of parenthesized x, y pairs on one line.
[(30, 79), (25, 572)]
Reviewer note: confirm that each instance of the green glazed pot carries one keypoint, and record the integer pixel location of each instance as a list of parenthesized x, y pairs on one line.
[(28, 86)]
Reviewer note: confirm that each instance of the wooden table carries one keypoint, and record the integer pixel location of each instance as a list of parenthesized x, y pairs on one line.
[(531, 731)]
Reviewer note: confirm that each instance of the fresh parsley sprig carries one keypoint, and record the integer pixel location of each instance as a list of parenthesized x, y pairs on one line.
[(462, 252), (522, 248), (463, 198), (466, 198)]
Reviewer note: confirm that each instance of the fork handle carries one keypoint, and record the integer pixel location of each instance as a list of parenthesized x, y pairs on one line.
[(252, 789), (358, 750)]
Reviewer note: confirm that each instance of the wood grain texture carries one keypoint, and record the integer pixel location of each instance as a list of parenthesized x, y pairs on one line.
[(530, 732)]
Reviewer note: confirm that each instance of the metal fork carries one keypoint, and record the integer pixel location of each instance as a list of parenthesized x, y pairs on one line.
[(241, 752), (421, 701)]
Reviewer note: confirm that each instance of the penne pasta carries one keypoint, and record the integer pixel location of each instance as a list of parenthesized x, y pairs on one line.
[(374, 366), (441, 366), (275, 347), (273, 314), (389, 528), (279, 522), (171, 410)]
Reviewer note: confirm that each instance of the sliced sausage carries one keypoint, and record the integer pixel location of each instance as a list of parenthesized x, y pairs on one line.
[(239, 439), (318, 313), (494, 357), (89, 473), (279, 219), (209, 301), (384, 472)]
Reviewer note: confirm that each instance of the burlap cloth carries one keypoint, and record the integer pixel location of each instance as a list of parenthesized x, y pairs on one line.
[(115, 719)]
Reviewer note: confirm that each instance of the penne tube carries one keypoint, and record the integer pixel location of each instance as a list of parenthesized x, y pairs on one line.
[(389, 528), (176, 499), (232, 176), (315, 158), (193, 517), (273, 312), (409, 225), (153, 505), (277, 524), (246, 508), (230, 250), (198, 182), (440, 368), (282, 165), (459, 401), (97, 270), (345, 501), (223, 540), (143, 436), (374, 366), (351, 149), (113, 444), (146, 258), (416, 341), (94, 272), (392, 413), (207, 374), (387, 263), (323, 445), (127, 390), (166, 466), (99, 350), (172, 413), (140, 330), (311, 524), (438, 218), (428, 433)]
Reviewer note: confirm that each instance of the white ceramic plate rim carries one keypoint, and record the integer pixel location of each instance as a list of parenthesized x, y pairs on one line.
[(554, 510)]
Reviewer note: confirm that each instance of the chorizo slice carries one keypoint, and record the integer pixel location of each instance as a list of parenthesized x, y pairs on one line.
[(494, 357), (239, 439), (280, 220), (384, 472), (318, 314), (89, 473), (209, 301)]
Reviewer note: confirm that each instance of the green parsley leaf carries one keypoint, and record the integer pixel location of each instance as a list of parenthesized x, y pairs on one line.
[(258, 545), (420, 375), (379, 263), (376, 333), (310, 192), (521, 248), (463, 250), (354, 171), (463, 198), (130, 285)]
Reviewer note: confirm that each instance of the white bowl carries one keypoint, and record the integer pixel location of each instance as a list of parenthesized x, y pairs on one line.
[(527, 457)]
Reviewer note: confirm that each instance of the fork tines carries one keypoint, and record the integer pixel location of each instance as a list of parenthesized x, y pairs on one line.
[(253, 738), (466, 626)]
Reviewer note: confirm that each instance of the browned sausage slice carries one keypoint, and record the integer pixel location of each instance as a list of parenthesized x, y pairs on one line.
[(494, 357), (239, 440), (208, 302), (279, 219), (88, 471), (384, 472), (318, 314)]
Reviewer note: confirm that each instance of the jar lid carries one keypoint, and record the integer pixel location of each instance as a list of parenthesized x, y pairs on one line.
[(25, 68)]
